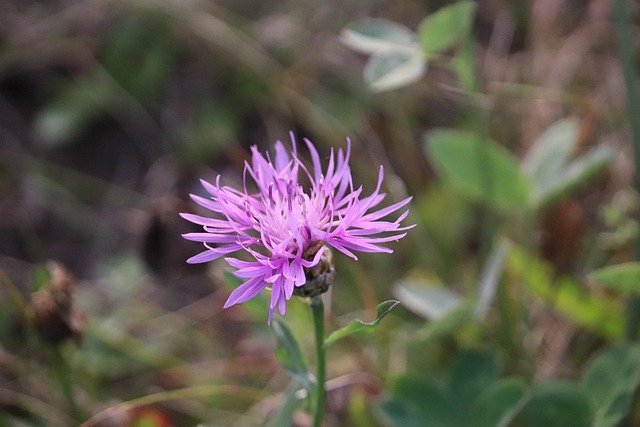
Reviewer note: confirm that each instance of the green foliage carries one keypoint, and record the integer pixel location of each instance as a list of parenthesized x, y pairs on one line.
[(595, 312), (390, 70), (474, 395), (445, 27), (610, 383), (290, 355), (373, 36), (478, 168), (398, 55), (360, 326), (556, 404), (426, 300), (623, 277)]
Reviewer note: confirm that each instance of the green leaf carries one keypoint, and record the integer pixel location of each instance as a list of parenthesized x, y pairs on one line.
[(473, 372), (610, 383), (398, 414), (447, 324), (359, 326), (393, 69), (578, 172), (146, 43), (428, 301), (490, 278), (288, 405), (445, 27), (556, 404), (499, 404), (594, 312), (623, 277), (289, 355), (70, 113), (434, 404), (549, 154), (480, 169), (378, 35)]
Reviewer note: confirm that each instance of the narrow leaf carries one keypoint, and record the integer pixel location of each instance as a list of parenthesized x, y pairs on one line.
[(623, 277), (289, 355), (478, 168), (610, 383), (378, 35), (445, 27), (490, 277), (288, 405), (393, 69), (358, 325)]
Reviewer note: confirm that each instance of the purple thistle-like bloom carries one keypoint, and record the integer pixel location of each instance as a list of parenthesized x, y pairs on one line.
[(280, 222)]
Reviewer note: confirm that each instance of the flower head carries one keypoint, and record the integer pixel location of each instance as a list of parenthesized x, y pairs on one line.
[(286, 228)]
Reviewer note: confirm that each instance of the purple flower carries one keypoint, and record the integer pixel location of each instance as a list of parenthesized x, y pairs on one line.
[(278, 224)]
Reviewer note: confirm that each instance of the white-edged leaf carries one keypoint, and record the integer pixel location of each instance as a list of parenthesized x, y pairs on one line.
[(393, 69), (378, 35), (430, 302)]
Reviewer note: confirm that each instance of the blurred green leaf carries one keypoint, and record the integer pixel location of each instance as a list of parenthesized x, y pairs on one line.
[(548, 155), (473, 372), (447, 324), (378, 35), (289, 355), (288, 405), (71, 112), (398, 414), (393, 69), (490, 277), (434, 404), (499, 404), (610, 383), (478, 168), (140, 54), (556, 404), (623, 277), (426, 300), (594, 312), (578, 172), (359, 326), (443, 28)]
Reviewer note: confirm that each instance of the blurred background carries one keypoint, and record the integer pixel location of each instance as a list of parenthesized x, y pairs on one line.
[(110, 113)]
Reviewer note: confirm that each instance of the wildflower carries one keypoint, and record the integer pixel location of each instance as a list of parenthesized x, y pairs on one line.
[(285, 229)]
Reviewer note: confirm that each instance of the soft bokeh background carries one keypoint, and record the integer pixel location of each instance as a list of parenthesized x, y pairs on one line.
[(110, 112)]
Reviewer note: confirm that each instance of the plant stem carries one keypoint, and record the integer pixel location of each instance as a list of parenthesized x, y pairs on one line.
[(317, 308), (624, 34), (61, 371)]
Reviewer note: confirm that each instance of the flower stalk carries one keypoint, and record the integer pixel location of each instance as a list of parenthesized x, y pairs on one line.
[(317, 309)]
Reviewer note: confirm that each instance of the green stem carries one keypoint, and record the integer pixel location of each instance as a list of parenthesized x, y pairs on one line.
[(317, 308), (61, 371), (624, 35)]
